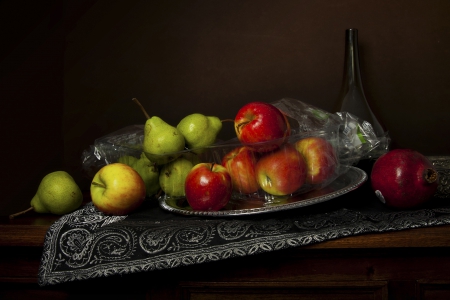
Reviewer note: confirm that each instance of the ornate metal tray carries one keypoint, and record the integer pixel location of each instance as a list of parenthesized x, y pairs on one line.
[(345, 183)]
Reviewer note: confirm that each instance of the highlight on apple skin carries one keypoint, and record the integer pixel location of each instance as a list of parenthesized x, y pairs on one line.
[(261, 126), (240, 163), (117, 189), (320, 158), (208, 187), (281, 172)]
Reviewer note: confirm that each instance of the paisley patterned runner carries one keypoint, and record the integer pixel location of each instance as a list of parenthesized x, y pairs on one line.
[(87, 244)]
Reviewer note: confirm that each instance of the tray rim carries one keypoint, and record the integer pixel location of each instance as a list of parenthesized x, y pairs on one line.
[(360, 180)]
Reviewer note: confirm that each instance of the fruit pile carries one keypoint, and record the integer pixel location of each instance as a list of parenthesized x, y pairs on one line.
[(268, 159), (181, 161)]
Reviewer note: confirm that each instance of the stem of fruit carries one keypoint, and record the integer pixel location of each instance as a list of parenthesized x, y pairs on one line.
[(227, 120), (240, 125), (20, 213), (142, 108), (98, 184)]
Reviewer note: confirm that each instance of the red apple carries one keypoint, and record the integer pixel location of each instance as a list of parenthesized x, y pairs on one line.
[(281, 172), (240, 163), (404, 178), (117, 189), (320, 158), (288, 131), (208, 187), (258, 122)]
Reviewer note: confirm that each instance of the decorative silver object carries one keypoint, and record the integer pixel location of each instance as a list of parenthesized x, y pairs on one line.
[(345, 183), (442, 165)]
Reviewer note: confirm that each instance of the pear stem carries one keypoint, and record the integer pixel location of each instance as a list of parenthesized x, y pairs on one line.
[(227, 120), (98, 184), (142, 108), (20, 213)]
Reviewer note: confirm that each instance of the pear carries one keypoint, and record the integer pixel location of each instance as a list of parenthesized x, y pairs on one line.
[(173, 176), (145, 158), (199, 130), (162, 142), (57, 194), (149, 173), (128, 160), (194, 158)]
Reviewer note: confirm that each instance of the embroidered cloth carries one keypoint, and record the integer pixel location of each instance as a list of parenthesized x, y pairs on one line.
[(88, 244)]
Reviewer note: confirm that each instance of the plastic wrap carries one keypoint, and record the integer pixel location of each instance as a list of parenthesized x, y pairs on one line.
[(109, 148), (349, 138), (357, 138)]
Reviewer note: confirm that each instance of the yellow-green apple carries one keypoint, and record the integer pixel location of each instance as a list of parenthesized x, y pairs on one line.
[(320, 158), (282, 171), (257, 123), (117, 189), (208, 187), (240, 163)]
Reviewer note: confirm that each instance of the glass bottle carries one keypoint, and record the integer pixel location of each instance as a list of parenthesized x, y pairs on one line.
[(352, 98)]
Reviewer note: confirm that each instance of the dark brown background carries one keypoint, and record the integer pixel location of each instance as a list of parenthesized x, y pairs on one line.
[(68, 70)]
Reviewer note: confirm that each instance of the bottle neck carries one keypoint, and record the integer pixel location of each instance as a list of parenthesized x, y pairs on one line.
[(352, 72), (352, 98)]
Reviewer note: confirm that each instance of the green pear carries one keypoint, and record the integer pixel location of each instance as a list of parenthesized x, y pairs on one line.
[(162, 142), (149, 173), (128, 160), (173, 176), (57, 194), (145, 158), (199, 131), (194, 158)]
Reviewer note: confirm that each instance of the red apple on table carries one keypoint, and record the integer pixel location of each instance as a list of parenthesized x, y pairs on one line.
[(404, 178), (258, 122), (240, 163), (117, 189), (208, 187), (320, 158), (281, 172)]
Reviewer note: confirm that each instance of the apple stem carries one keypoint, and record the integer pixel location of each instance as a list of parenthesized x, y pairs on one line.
[(431, 175), (98, 184), (20, 213), (142, 108)]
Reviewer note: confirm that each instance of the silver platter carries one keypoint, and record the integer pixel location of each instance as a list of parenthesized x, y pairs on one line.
[(345, 183)]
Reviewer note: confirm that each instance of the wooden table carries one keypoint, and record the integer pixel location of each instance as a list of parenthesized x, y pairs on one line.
[(409, 264)]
